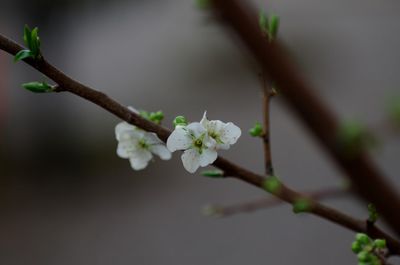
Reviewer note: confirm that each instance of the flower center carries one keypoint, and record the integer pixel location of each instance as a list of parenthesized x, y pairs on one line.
[(198, 143), (216, 137), (142, 144)]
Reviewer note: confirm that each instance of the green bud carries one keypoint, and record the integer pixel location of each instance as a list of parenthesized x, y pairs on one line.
[(23, 54), (156, 117), (212, 210), (180, 120), (257, 130), (213, 173), (363, 239), (356, 247), (263, 22), (144, 114), (273, 26), (272, 185), (38, 87), (302, 205), (32, 41), (203, 4), (364, 256), (380, 243), (354, 138), (372, 213), (375, 260)]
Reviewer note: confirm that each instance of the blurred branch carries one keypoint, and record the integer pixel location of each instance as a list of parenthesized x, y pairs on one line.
[(67, 84), (265, 203), (367, 179)]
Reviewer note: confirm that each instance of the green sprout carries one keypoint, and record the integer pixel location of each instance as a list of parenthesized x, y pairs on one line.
[(32, 42), (257, 130), (372, 213), (269, 25), (38, 87), (368, 251), (213, 173), (272, 185), (203, 4), (354, 138), (155, 117), (180, 121), (302, 205)]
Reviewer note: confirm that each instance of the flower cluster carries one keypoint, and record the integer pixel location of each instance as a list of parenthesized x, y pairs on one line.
[(139, 146), (369, 252), (201, 141)]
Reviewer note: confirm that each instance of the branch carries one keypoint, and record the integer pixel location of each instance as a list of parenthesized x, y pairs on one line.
[(267, 94), (264, 203), (66, 83), (367, 179)]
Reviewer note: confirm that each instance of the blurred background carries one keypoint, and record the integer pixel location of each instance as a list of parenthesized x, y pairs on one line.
[(66, 198)]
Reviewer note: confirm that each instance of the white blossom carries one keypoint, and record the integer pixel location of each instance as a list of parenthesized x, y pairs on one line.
[(201, 140), (225, 134), (199, 147), (139, 146)]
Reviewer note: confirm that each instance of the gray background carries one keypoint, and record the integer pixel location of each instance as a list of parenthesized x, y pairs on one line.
[(66, 198)]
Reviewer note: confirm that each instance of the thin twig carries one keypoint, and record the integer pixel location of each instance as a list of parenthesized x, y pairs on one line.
[(230, 169), (268, 202), (267, 94)]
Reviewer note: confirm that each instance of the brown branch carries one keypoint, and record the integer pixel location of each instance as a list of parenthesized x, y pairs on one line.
[(367, 179), (265, 203), (66, 83), (267, 94)]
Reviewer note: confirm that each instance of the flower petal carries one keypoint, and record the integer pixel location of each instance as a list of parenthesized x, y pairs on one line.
[(179, 139), (125, 131), (196, 129), (207, 157), (191, 160), (215, 127), (161, 151), (121, 128), (140, 158), (204, 120), (152, 139), (125, 149), (230, 133)]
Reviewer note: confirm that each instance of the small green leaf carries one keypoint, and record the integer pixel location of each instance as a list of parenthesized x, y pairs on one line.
[(35, 42), (356, 247), (354, 138), (372, 213), (23, 54), (212, 211), (263, 22), (363, 239), (38, 87), (273, 26), (213, 173), (203, 4), (257, 130), (272, 185), (180, 120), (302, 205), (156, 117), (27, 36), (380, 243)]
